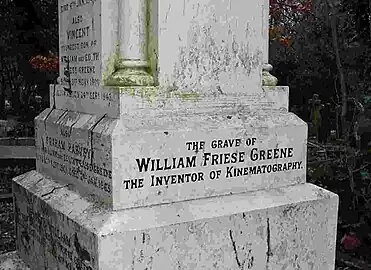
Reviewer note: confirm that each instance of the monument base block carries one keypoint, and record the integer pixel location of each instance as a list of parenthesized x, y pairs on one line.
[(171, 157), (291, 227)]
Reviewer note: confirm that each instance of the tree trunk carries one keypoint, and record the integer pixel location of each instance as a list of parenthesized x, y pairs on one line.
[(335, 43), (2, 102)]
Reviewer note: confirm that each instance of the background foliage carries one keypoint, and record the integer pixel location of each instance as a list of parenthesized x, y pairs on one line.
[(28, 27)]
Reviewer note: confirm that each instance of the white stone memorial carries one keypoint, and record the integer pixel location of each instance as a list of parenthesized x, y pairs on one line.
[(168, 146)]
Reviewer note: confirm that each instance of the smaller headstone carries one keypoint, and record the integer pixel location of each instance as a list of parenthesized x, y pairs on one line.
[(84, 57)]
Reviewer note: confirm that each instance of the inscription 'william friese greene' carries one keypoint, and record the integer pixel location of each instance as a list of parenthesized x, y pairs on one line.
[(211, 159), (149, 164)]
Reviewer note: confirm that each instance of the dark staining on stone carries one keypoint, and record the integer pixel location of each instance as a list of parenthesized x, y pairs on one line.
[(82, 253), (219, 89), (145, 238), (141, 256), (289, 209), (323, 194), (250, 259), (235, 250), (178, 265), (25, 240), (269, 249)]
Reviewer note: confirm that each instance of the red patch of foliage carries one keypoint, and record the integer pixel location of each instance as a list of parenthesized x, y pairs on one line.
[(48, 63), (350, 242)]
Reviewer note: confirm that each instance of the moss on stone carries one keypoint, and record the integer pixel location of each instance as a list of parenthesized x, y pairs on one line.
[(111, 65), (187, 96), (152, 44)]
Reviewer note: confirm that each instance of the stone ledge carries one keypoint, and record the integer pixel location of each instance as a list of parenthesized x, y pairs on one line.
[(63, 200), (281, 228), (140, 100)]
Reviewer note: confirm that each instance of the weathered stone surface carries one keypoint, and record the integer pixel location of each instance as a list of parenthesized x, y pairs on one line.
[(204, 47), (138, 101), (171, 156), (210, 47), (284, 228)]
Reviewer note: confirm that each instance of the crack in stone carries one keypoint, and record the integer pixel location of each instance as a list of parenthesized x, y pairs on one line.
[(219, 89), (38, 181), (235, 249), (54, 189), (60, 117), (46, 118), (54, 106), (74, 123), (269, 251), (91, 133)]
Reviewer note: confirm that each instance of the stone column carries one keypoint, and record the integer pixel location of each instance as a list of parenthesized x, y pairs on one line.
[(132, 62), (268, 79)]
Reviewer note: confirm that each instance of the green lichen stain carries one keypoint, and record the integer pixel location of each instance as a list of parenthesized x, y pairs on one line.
[(130, 91), (172, 91), (147, 93), (268, 79), (152, 44), (99, 203), (111, 65), (151, 93), (116, 75), (187, 96)]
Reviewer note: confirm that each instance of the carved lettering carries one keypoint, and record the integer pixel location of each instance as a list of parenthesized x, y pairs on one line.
[(80, 44), (40, 228), (74, 160), (230, 158)]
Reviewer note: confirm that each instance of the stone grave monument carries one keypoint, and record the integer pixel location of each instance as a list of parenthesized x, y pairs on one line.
[(167, 145)]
